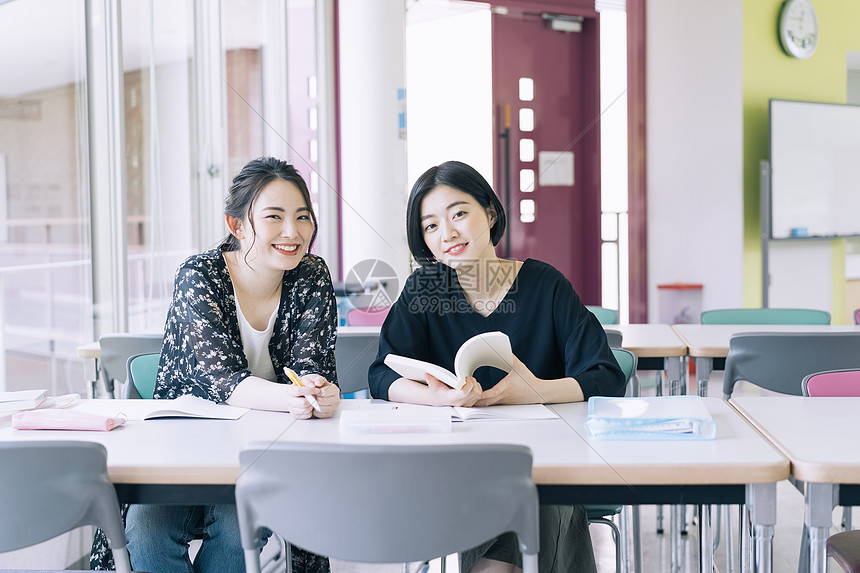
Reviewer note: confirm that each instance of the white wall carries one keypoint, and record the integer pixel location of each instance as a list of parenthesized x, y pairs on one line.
[(695, 149)]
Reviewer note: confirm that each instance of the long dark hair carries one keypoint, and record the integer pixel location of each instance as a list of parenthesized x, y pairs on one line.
[(461, 177), (247, 186)]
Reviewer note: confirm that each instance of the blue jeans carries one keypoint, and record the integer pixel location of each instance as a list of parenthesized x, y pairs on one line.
[(158, 537)]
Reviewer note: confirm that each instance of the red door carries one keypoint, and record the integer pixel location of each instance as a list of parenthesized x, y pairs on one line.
[(551, 154)]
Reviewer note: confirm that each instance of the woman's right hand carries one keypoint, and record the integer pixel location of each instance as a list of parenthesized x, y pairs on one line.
[(297, 405), (444, 395)]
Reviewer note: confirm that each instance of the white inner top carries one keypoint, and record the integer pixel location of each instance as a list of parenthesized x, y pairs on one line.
[(256, 345)]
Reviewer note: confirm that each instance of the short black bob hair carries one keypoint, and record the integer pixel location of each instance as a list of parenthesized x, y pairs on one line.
[(461, 177), (248, 184)]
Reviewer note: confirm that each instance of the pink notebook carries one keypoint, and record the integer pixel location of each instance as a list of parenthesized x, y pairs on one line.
[(64, 420)]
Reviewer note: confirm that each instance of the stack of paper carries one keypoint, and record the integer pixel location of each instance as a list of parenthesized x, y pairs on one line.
[(21, 400), (663, 418), (392, 419)]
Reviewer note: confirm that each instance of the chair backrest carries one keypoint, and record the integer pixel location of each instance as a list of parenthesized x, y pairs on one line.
[(613, 337), (367, 316), (142, 370), (603, 314), (779, 361), (403, 503), (833, 383), (49, 488), (765, 316), (628, 362), (354, 353), (116, 350)]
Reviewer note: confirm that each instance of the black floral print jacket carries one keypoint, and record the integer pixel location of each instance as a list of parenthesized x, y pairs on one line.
[(202, 351)]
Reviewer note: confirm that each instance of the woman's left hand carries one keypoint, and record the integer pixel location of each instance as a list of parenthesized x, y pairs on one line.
[(328, 394), (518, 387)]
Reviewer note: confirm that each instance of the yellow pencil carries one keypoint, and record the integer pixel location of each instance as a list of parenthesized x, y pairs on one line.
[(294, 378)]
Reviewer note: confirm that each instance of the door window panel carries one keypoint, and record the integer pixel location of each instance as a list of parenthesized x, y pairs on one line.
[(527, 119), (527, 89)]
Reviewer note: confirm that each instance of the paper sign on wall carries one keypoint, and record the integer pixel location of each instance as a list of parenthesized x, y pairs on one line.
[(556, 168)]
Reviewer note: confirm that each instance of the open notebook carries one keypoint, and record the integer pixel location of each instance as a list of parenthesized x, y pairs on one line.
[(183, 407), (661, 418)]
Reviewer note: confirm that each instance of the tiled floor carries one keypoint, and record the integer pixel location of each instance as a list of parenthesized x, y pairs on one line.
[(656, 548)]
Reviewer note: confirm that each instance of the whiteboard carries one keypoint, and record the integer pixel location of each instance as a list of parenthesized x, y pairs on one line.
[(815, 169)]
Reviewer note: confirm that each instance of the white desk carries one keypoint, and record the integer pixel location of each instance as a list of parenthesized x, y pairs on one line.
[(655, 342), (708, 341), (818, 436), (197, 461)]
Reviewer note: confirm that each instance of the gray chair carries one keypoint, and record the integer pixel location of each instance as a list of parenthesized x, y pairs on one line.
[(49, 488), (613, 337), (844, 548), (779, 361), (354, 353), (465, 495), (116, 349)]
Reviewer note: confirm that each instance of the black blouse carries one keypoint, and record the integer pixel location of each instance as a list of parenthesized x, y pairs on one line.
[(202, 352), (550, 329)]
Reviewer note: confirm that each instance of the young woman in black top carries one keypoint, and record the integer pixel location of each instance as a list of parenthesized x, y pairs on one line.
[(454, 220)]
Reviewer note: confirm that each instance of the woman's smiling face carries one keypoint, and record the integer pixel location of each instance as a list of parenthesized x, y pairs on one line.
[(456, 227), (282, 229)]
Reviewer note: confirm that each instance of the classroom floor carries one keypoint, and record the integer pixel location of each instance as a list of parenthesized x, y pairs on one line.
[(656, 548)]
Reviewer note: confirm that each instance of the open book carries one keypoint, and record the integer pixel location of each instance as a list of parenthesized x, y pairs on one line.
[(21, 400), (486, 349), (662, 418), (187, 406)]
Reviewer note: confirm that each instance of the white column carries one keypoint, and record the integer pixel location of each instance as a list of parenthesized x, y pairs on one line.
[(274, 64), (211, 123), (107, 166), (329, 194), (373, 147)]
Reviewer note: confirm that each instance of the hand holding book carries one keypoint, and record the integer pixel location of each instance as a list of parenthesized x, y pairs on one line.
[(485, 349)]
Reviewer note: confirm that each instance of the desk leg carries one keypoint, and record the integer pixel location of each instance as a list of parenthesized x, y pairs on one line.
[(637, 541), (820, 499), (728, 539), (673, 373), (744, 539), (675, 538), (761, 499), (91, 375), (677, 386), (703, 373), (706, 546)]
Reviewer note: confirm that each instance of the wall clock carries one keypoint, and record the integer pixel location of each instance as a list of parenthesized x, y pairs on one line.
[(798, 28)]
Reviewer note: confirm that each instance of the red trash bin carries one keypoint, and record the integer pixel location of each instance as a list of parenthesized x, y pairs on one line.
[(679, 303)]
